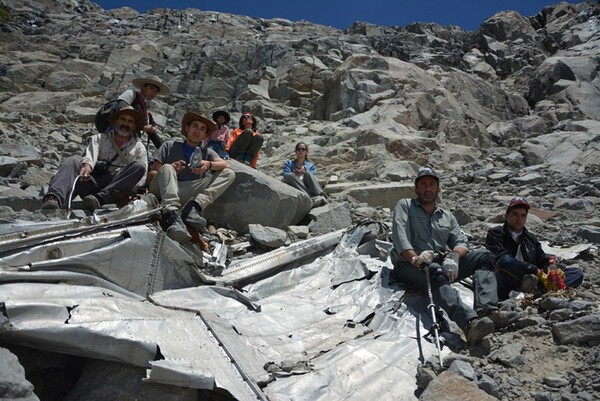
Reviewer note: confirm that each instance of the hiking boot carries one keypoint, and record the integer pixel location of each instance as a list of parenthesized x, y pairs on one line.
[(503, 318), (176, 230), (318, 201), (192, 217), (528, 283), (92, 202), (476, 329), (50, 202)]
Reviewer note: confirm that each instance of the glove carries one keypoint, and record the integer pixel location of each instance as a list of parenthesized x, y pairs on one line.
[(426, 257), (554, 280), (450, 266)]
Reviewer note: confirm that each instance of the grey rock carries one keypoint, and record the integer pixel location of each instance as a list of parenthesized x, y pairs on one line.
[(528, 179), (529, 321), (300, 232), (453, 387), (424, 376), (13, 384), (552, 303), (580, 330), (560, 314), (510, 355), (269, 237), (254, 190), (573, 204), (589, 233), (487, 384), (331, 217), (555, 381), (464, 369)]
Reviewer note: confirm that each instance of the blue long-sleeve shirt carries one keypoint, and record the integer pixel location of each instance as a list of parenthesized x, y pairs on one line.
[(290, 165)]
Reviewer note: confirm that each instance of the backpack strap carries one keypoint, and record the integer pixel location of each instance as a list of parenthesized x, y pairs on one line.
[(139, 103), (120, 154)]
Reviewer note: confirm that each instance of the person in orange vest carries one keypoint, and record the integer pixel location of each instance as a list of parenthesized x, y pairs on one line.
[(245, 142)]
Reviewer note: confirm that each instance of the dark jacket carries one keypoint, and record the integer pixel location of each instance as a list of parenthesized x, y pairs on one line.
[(500, 242)]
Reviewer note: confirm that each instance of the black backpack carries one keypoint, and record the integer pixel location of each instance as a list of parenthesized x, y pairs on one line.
[(101, 121)]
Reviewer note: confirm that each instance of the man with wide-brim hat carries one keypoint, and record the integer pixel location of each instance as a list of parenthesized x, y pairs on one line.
[(186, 177), (113, 161), (149, 87), (218, 139)]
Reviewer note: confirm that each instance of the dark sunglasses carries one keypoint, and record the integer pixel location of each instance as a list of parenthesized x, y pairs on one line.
[(300, 149), (247, 116)]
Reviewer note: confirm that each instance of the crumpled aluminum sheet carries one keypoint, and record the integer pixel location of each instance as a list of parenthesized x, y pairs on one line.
[(568, 253), (336, 328), (138, 259), (98, 323)]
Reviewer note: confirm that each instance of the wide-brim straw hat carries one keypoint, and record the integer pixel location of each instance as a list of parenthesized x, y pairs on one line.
[(223, 113), (164, 90), (191, 116), (139, 121)]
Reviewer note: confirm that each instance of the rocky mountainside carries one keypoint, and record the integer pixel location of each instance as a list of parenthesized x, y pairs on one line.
[(510, 109)]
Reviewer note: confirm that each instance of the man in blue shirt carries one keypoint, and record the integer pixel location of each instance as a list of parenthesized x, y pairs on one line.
[(420, 225), (181, 182)]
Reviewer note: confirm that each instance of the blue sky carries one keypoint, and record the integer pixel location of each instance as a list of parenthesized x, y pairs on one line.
[(342, 13)]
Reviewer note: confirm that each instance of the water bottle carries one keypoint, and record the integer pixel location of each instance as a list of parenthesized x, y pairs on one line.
[(196, 158)]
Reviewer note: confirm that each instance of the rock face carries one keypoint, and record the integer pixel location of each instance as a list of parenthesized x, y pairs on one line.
[(510, 109)]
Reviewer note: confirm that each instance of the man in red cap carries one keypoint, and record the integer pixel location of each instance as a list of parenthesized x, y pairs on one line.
[(519, 256)]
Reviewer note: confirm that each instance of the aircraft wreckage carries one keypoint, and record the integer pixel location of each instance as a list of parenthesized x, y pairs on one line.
[(318, 319)]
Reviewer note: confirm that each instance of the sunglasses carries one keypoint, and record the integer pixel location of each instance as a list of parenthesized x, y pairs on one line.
[(247, 116), (300, 149)]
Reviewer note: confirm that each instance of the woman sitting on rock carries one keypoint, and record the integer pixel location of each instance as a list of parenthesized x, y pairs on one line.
[(245, 142), (300, 173)]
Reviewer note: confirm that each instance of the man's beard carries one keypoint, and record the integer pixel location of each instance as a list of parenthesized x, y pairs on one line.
[(123, 131)]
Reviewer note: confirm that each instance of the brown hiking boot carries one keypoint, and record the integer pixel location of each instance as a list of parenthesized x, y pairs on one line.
[(50, 202), (476, 329), (503, 318)]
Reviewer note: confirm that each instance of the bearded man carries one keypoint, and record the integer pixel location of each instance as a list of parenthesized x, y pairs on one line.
[(113, 161)]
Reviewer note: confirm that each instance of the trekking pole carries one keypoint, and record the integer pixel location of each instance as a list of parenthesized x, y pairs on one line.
[(435, 327), (71, 197)]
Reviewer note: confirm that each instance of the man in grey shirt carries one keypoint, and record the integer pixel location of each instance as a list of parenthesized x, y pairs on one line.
[(420, 225)]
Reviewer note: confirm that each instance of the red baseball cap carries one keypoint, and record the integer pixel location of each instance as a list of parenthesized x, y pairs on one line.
[(518, 202)]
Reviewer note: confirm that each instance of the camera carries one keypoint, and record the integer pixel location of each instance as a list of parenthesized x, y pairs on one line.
[(101, 167)]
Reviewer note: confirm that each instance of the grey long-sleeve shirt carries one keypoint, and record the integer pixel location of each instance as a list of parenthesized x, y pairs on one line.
[(413, 228)]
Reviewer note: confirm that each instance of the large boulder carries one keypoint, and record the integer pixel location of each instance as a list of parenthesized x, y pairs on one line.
[(256, 198)]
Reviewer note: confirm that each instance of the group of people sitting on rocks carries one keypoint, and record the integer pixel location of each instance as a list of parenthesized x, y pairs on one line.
[(115, 163), (513, 261)]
